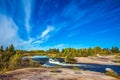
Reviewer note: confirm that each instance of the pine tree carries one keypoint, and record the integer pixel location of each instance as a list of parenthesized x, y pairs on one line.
[(1, 49), (11, 48)]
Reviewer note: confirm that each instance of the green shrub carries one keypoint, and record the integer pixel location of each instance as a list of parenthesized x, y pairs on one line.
[(57, 67), (35, 64), (29, 63), (75, 68), (112, 73), (117, 56), (15, 61), (118, 61)]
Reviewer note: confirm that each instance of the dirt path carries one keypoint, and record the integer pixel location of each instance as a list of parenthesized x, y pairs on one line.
[(53, 74)]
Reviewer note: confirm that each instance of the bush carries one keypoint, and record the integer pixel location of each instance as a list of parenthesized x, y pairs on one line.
[(15, 61), (117, 56), (112, 73), (75, 68), (70, 60), (57, 67), (29, 63)]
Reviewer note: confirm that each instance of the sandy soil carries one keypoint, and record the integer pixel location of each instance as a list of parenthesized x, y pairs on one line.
[(53, 74), (108, 60)]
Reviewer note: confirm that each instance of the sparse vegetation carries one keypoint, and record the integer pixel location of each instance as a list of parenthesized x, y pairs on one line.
[(11, 59), (57, 67), (113, 74), (75, 68)]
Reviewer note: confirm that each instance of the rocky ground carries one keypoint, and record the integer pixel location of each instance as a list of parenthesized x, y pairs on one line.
[(53, 74), (108, 60)]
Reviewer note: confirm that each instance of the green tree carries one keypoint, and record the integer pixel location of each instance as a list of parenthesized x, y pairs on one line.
[(15, 61), (6, 49), (90, 52), (105, 51), (11, 48), (53, 50), (84, 52), (1, 49), (115, 50), (97, 50), (8, 54)]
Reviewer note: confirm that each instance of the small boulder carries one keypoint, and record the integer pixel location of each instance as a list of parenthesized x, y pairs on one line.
[(109, 70)]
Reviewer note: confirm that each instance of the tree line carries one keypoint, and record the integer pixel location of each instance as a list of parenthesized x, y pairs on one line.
[(72, 52), (12, 59), (66, 52)]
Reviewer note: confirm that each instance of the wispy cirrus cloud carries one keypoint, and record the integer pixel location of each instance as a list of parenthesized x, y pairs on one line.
[(9, 35), (38, 47), (34, 43), (45, 35), (8, 31), (59, 46), (107, 30), (27, 9), (46, 31), (24, 22)]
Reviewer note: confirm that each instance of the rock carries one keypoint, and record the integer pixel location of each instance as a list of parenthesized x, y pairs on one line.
[(109, 70)]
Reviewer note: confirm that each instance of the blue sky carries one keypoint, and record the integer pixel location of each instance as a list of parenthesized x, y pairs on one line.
[(44, 24)]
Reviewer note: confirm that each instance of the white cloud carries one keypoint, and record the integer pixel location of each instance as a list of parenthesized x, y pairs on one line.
[(45, 32), (41, 40), (106, 30), (43, 3), (8, 33), (45, 35), (27, 6), (59, 46), (38, 47), (8, 28)]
